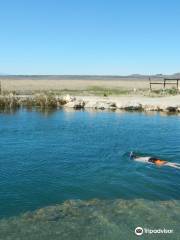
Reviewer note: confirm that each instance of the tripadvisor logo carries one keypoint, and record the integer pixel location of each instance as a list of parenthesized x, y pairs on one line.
[(139, 231)]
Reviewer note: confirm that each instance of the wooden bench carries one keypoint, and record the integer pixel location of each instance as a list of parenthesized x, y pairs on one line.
[(164, 82)]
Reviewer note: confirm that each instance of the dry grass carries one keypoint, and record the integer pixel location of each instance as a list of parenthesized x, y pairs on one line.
[(40, 100), (83, 87), (24, 86)]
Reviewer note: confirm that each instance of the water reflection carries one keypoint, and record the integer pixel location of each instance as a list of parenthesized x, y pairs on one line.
[(48, 111), (9, 111)]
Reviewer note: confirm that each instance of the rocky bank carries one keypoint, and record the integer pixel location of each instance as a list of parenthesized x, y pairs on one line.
[(129, 103)]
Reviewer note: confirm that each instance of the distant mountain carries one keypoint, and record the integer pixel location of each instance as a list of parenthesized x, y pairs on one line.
[(176, 75), (87, 77)]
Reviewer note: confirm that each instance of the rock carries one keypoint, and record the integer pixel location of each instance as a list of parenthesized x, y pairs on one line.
[(129, 106), (90, 104), (77, 104), (112, 105), (101, 105), (120, 105), (171, 108), (151, 108), (163, 108), (104, 105), (133, 106), (69, 98)]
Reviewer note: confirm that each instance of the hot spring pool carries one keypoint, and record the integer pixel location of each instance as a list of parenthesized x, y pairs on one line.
[(47, 158)]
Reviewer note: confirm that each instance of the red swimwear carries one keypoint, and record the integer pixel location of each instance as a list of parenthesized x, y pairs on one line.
[(160, 162)]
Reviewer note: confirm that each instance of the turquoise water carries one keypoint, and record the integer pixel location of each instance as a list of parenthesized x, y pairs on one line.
[(47, 158)]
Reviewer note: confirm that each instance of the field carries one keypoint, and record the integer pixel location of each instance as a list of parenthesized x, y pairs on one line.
[(87, 86)]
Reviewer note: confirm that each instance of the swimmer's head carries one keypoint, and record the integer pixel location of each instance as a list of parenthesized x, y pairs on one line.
[(131, 155)]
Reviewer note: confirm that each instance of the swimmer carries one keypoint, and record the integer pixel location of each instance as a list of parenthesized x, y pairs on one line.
[(153, 160)]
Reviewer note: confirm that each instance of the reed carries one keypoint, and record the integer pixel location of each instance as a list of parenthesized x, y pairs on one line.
[(39, 100), (9, 102)]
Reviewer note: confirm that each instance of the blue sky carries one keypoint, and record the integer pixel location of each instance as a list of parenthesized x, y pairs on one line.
[(89, 36)]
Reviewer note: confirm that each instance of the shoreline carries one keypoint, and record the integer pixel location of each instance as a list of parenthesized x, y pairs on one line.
[(135, 103), (130, 103)]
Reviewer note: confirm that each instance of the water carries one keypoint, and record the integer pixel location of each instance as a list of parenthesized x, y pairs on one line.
[(47, 158)]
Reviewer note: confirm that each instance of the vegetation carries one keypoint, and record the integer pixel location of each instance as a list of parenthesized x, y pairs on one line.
[(163, 92), (100, 91), (39, 100), (93, 219), (55, 99)]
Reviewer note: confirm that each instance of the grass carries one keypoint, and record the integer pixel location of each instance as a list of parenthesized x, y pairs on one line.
[(163, 92), (100, 91), (40, 100), (96, 91)]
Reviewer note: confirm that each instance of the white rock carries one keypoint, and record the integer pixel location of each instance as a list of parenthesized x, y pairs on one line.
[(101, 105), (120, 105), (133, 106), (77, 104), (69, 104), (104, 105), (69, 98), (151, 108), (112, 104), (90, 104)]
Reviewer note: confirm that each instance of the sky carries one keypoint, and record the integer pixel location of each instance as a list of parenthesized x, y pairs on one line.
[(91, 37)]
